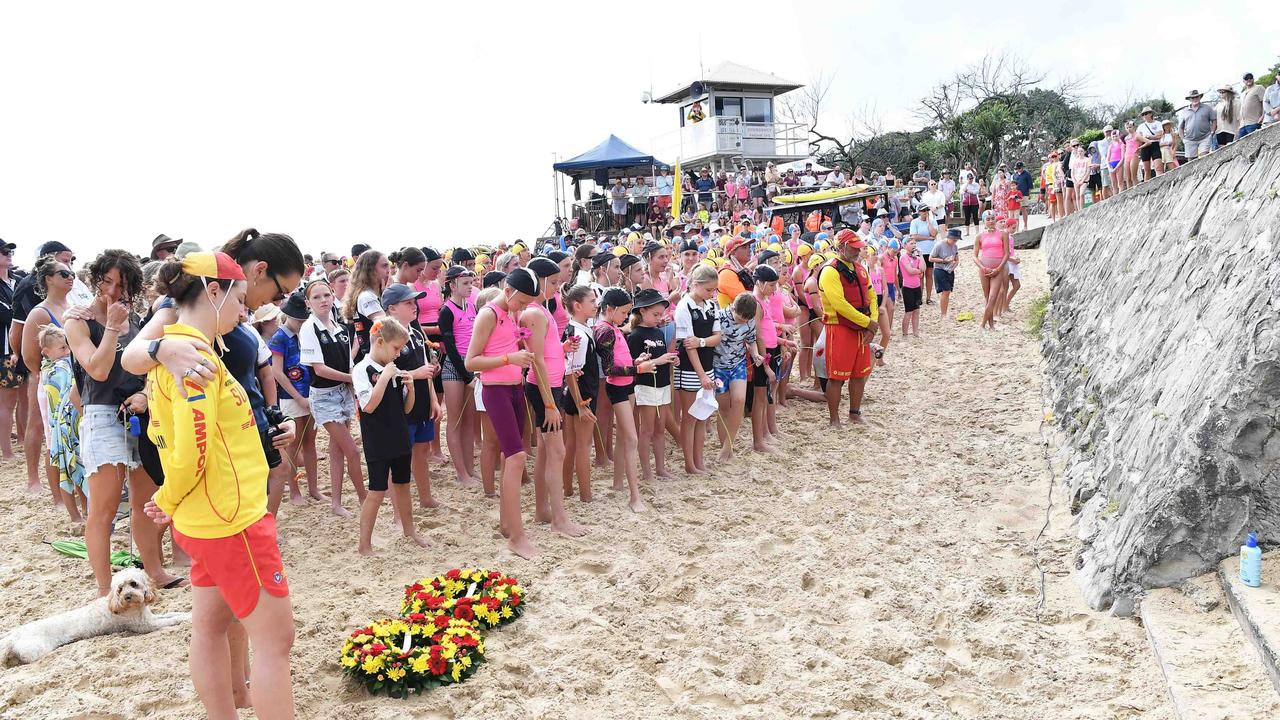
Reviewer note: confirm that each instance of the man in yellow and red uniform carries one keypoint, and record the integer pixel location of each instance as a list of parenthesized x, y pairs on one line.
[(849, 306)]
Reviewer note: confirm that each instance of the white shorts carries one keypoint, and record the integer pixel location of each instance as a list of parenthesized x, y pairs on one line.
[(333, 404), (293, 409), (1015, 270), (653, 397), (104, 439)]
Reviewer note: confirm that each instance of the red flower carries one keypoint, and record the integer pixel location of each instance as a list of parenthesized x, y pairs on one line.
[(515, 600), (435, 602), (494, 574), (437, 665), (436, 639), (377, 648), (465, 600), (464, 612), (464, 641), (453, 574), (413, 588), (442, 621), (492, 603), (416, 617)]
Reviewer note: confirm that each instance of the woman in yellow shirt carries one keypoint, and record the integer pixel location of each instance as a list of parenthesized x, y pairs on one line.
[(214, 494)]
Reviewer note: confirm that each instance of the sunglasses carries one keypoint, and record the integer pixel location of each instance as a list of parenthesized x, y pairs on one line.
[(64, 274), (6, 251), (280, 292)]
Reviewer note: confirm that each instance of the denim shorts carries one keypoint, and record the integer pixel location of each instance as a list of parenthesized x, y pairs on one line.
[(729, 374), (104, 440), (332, 404)]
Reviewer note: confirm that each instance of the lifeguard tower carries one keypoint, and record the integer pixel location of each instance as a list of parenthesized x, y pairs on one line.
[(728, 117)]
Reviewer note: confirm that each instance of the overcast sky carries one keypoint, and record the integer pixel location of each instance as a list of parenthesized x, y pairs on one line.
[(397, 123)]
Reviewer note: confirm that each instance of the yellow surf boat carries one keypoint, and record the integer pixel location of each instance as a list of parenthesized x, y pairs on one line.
[(827, 194)]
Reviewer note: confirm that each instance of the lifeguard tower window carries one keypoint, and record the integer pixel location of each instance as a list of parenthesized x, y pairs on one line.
[(757, 110), (729, 107)]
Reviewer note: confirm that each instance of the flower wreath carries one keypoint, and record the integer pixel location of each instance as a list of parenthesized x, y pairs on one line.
[(401, 656), (486, 596)]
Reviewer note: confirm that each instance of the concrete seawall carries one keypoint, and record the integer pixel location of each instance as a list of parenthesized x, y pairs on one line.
[(1162, 347)]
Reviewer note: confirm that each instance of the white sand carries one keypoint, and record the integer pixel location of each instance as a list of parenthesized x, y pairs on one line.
[(884, 572)]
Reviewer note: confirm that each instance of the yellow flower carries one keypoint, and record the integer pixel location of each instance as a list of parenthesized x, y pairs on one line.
[(420, 664), (457, 672), (466, 661), (372, 664), (348, 661), (506, 613), (396, 673), (448, 650)]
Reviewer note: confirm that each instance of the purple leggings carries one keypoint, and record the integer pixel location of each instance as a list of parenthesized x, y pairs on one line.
[(505, 406)]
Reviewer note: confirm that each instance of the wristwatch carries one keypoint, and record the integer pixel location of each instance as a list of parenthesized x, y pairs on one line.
[(153, 347), (702, 342)]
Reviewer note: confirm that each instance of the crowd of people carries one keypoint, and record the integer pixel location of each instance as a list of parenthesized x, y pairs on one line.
[(191, 383)]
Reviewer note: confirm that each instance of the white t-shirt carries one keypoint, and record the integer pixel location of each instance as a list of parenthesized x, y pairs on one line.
[(966, 177), (368, 304), (264, 352), (936, 201), (363, 386), (684, 316), (309, 347), (808, 181), (1149, 129)]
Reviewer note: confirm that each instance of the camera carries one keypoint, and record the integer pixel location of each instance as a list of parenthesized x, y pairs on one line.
[(275, 418), (877, 351)]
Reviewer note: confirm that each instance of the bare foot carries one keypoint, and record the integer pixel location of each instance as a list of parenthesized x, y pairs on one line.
[(637, 505), (702, 470), (765, 449), (855, 419), (340, 511), (503, 530), (666, 475), (370, 552), (617, 485), (523, 548), (34, 489), (568, 528), (315, 495), (646, 477), (428, 503), (542, 517), (241, 694), (422, 542), (834, 424), (468, 482), (726, 455), (586, 497), (437, 458), (297, 500), (691, 470)]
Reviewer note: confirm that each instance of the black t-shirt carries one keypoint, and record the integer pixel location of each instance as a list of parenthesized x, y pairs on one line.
[(24, 298), (317, 344), (412, 357), (119, 384), (385, 430), (6, 313), (652, 341)]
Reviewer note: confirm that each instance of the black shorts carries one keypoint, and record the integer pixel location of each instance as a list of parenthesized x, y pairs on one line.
[(1070, 183), (567, 405), (396, 467), (1149, 152), (927, 262), (910, 298), (534, 396), (1095, 181), (970, 214), (619, 394), (813, 314)]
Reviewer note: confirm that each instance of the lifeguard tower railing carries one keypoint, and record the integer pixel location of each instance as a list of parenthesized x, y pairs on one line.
[(717, 136)]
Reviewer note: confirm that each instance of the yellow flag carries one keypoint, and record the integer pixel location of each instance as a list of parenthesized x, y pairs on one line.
[(676, 193)]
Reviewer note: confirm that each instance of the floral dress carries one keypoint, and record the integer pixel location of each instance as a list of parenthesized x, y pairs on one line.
[(58, 380)]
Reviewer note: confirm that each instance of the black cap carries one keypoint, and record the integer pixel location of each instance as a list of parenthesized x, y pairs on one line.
[(51, 248), (601, 259), (1248, 76), (431, 254), (615, 297), (650, 248), (524, 280), (399, 292), (648, 297), (628, 260), (163, 241), (359, 249), (765, 273), (688, 244), (462, 255), (766, 256), (557, 256), (1018, 164), (296, 306), (456, 270), (493, 278), (544, 267), (8, 245)]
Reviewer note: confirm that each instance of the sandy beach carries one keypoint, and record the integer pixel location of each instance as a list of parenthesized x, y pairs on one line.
[(886, 571)]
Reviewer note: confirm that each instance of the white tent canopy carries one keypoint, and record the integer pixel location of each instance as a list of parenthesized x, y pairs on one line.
[(798, 165)]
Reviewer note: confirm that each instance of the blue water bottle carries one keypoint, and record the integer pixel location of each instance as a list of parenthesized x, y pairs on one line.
[(1251, 562), (135, 426)]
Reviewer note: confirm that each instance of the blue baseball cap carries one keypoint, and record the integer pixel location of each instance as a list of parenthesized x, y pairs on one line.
[(398, 293)]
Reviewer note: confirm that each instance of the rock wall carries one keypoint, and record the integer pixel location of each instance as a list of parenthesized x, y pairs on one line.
[(1162, 346)]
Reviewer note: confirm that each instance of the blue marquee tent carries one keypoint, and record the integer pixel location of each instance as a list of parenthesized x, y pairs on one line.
[(612, 154)]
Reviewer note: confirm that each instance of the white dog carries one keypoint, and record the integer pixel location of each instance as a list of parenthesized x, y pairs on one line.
[(124, 609)]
